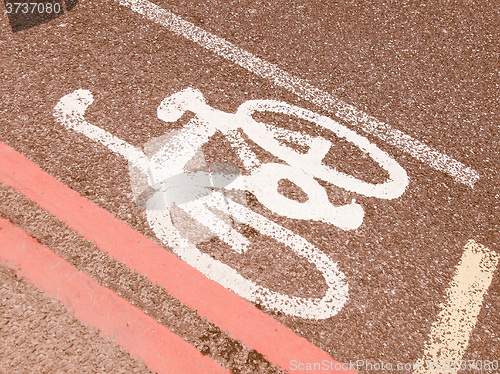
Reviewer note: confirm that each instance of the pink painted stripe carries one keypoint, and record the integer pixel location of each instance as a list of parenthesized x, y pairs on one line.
[(242, 320), (99, 307)]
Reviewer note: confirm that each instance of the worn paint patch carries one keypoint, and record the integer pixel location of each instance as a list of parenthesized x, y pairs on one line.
[(451, 332)]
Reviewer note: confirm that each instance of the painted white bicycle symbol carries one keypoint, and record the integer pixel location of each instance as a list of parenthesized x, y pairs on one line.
[(164, 167)]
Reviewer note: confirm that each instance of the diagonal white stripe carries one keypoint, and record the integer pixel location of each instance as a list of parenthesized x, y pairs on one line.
[(305, 90), (451, 332)]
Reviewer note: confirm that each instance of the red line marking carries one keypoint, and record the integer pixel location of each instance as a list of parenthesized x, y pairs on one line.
[(242, 320), (95, 305)]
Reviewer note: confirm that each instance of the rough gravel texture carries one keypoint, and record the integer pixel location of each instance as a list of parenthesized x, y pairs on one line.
[(38, 335), (429, 71)]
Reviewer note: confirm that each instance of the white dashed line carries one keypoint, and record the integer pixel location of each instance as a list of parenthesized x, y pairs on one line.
[(300, 87), (450, 334)]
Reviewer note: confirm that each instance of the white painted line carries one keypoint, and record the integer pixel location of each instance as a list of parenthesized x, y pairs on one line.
[(305, 90), (247, 156), (216, 225), (450, 334)]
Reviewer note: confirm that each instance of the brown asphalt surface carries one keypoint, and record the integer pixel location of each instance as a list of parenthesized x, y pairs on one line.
[(431, 72)]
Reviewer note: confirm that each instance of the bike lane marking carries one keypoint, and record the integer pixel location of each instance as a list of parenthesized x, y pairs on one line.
[(242, 320), (451, 332), (170, 160), (70, 110), (98, 307), (300, 87)]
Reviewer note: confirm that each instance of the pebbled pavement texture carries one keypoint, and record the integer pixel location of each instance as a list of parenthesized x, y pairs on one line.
[(431, 72)]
